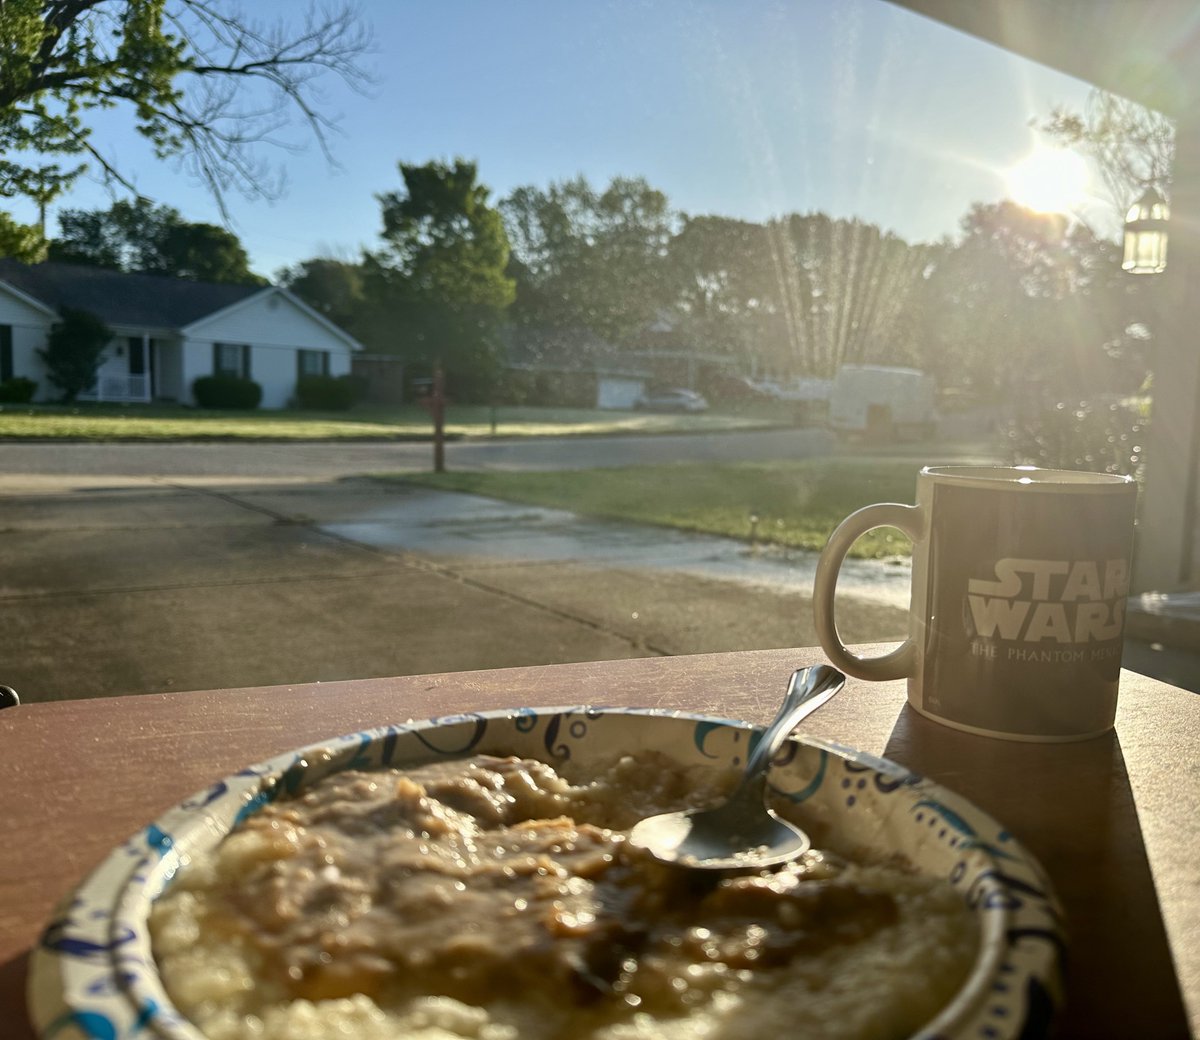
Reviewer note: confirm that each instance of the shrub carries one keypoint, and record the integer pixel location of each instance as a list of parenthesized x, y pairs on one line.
[(226, 391), (1101, 436), (73, 351), (327, 393), (17, 390)]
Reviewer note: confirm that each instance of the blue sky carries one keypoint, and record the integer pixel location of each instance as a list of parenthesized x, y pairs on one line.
[(855, 107)]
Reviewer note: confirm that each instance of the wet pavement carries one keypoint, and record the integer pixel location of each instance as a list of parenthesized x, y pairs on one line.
[(470, 527)]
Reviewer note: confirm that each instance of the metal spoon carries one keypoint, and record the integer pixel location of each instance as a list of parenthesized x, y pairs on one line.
[(743, 833)]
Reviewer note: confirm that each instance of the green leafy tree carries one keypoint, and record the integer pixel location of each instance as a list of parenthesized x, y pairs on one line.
[(138, 236), (179, 67), (205, 253), (725, 275), (73, 350), (1032, 307), (21, 241), (96, 238), (331, 287), (803, 294), (437, 290), (846, 288), (591, 259)]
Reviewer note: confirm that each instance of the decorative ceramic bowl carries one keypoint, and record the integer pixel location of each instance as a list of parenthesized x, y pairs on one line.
[(93, 975)]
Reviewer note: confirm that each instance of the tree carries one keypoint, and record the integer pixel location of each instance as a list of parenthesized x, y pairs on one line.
[(73, 350), (845, 289), (179, 67), (331, 287), (205, 253), (21, 241), (590, 259), (437, 289), (140, 237), (722, 273), (1032, 307), (1133, 146), (804, 294)]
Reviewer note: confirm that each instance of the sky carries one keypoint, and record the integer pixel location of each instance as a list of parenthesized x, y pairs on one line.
[(856, 108)]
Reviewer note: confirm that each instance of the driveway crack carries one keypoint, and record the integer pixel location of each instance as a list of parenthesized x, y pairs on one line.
[(411, 559)]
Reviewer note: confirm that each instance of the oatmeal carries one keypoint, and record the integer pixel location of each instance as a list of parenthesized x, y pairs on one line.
[(490, 898)]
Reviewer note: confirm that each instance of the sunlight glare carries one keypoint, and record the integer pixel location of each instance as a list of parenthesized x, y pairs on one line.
[(1049, 180)]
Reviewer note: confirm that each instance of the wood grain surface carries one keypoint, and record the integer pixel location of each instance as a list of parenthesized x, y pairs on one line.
[(1113, 820)]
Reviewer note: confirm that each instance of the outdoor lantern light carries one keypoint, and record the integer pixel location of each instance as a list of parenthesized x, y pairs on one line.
[(1146, 234)]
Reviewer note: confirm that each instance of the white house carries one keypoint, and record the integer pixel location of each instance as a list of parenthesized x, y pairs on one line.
[(168, 332)]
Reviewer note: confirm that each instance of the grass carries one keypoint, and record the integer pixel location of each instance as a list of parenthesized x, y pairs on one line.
[(97, 422), (791, 503)]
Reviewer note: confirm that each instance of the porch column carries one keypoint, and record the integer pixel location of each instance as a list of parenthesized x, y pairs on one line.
[(147, 370), (1167, 556)]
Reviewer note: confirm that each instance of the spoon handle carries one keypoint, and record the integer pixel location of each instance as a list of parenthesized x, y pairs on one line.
[(808, 689)]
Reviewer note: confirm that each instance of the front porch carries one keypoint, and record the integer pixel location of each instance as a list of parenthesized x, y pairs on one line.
[(137, 368), (119, 389)]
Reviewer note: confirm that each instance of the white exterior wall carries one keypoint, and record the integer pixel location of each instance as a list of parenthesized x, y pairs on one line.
[(275, 328), (29, 329), (618, 391)]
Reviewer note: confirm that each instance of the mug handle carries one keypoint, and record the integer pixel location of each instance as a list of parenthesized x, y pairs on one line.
[(897, 664)]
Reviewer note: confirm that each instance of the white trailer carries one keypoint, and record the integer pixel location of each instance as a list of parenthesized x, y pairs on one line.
[(882, 403)]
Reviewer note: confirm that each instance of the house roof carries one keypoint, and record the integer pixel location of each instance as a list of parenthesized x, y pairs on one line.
[(155, 301)]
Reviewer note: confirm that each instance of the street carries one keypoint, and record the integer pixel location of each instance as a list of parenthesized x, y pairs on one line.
[(326, 460)]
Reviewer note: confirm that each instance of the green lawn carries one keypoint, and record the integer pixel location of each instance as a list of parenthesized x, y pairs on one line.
[(158, 423), (794, 503)]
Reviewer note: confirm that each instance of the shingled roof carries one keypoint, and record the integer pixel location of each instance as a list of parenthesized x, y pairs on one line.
[(152, 301)]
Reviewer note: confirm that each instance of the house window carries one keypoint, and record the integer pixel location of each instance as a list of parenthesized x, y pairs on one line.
[(312, 362), (6, 353), (231, 359)]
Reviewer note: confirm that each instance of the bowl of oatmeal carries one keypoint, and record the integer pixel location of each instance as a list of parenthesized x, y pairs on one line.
[(468, 878)]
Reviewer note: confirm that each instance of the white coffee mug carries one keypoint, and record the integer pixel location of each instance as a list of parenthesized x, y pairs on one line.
[(1019, 582)]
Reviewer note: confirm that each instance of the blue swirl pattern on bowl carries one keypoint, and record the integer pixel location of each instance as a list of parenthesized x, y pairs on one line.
[(93, 975)]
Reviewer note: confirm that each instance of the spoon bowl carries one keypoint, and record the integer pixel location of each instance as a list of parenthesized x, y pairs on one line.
[(742, 833)]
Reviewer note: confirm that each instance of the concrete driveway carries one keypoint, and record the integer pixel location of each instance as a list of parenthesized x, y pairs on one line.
[(116, 585)]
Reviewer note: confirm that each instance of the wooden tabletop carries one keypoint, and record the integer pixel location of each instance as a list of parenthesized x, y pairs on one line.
[(1113, 820)]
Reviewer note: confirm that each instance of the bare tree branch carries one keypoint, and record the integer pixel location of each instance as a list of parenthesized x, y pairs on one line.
[(206, 83)]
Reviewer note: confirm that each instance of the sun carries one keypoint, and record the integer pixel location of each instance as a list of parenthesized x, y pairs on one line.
[(1049, 180)]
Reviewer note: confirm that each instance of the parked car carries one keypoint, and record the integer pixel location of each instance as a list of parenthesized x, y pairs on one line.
[(801, 389), (721, 386), (674, 400)]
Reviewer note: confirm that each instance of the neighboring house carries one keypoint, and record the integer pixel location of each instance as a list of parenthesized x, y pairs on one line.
[(167, 332), (572, 367)]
